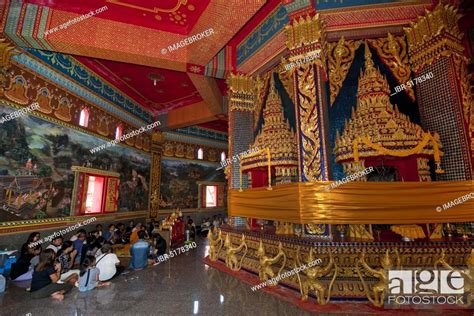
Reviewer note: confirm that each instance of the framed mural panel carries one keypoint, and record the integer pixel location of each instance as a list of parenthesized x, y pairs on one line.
[(36, 180)]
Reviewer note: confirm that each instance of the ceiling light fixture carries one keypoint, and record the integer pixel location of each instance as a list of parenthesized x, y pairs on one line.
[(155, 78)]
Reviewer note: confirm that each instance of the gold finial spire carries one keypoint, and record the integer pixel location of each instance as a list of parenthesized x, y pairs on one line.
[(369, 63)]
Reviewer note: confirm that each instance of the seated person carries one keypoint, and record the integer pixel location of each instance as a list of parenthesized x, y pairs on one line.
[(66, 256), (134, 235), (100, 229), (34, 237), (191, 227), (88, 246), (95, 246), (139, 252), (46, 275), (108, 264), (160, 245), (80, 231), (109, 235), (22, 270), (205, 226), (89, 275), (56, 244), (79, 244), (121, 233)]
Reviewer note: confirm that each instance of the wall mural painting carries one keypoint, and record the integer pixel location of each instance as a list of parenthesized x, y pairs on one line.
[(178, 182), (36, 180)]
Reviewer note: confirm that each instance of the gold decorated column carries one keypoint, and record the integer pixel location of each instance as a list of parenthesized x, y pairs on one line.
[(242, 96), (155, 181), (442, 87), (306, 42)]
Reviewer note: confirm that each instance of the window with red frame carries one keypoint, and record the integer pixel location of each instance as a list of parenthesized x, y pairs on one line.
[(210, 192)]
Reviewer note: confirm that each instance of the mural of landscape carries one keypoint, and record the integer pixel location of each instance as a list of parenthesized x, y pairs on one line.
[(30, 188), (178, 182)]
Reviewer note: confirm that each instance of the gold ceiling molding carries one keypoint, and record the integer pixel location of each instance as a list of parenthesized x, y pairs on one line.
[(305, 31), (242, 92), (394, 54), (433, 36), (341, 55)]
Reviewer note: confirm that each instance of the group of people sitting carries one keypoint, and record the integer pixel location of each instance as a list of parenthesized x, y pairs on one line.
[(86, 260)]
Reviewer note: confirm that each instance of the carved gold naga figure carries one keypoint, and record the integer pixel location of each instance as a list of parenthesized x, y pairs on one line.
[(468, 274), (231, 259), (313, 274), (215, 244), (381, 274), (265, 270)]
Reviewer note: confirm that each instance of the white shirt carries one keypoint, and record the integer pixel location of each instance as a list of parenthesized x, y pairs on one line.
[(106, 264), (55, 248)]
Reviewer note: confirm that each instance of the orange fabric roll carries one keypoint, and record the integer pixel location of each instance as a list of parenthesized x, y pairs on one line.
[(357, 202)]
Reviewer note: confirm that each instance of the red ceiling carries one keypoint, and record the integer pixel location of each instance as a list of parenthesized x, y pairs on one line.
[(220, 125), (173, 89), (175, 16)]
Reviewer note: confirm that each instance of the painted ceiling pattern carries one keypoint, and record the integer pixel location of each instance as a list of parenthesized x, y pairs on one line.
[(176, 16), (265, 31)]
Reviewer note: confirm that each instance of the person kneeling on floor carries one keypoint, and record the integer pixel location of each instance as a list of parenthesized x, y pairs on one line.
[(46, 275)]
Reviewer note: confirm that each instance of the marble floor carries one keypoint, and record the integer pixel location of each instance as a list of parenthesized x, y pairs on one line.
[(183, 285)]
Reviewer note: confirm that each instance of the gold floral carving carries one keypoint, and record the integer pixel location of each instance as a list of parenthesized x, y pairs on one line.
[(394, 54), (309, 123), (262, 88), (433, 36), (341, 55), (242, 92)]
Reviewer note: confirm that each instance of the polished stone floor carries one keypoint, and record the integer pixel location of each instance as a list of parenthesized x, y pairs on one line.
[(181, 286)]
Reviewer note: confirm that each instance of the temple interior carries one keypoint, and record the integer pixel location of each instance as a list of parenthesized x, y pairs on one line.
[(236, 157)]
